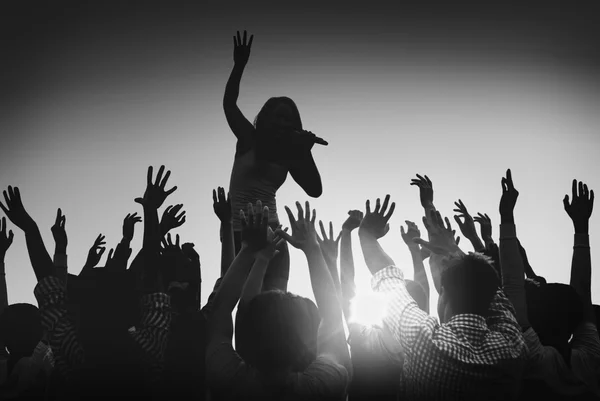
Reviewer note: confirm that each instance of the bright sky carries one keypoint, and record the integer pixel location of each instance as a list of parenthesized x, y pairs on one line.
[(101, 98)]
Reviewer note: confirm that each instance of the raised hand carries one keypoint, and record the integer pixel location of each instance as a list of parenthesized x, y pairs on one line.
[(274, 244), (441, 238), (129, 225), (58, 231), (96, 251), (468, 226), (411, 233), (155, 194), (222, 205), (241, 48), (425, 190), (15, 211), (5, 240), (170, 219), (304, 234), (353, 220), (508, 199), (255, 227), (329, 246), (169, 246), (486, 227), (581, 206), (376, 223)]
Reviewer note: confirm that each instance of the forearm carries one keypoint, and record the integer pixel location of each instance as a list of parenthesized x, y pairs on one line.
[(60, 264), (513, 272), (253, 285), (420, 276), (304, 171), (335, 276), (38, 255), (581, 267), (232, 89), (332, 337), (478, 245), (227, 246), (231, 287), (347, 271), (3, 288), (375, 257), (151, 229)]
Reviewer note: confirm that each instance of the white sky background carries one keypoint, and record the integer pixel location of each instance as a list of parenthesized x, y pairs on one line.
[(106, 98)]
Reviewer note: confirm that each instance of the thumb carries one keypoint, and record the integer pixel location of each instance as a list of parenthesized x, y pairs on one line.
[(139, 200), (402, 230)]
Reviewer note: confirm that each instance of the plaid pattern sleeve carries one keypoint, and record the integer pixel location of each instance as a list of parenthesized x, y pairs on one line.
[(68, 353), (465, 358)]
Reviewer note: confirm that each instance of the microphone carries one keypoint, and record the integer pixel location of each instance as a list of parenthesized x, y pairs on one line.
[(318, 140)]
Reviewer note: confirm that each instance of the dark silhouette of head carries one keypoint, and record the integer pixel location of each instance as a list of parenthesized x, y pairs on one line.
[(283, 330), (468, 285), (21, 329), (554, 312), (278, 114)]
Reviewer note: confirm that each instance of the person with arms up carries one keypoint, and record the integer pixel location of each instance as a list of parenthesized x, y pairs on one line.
[(266, 151)]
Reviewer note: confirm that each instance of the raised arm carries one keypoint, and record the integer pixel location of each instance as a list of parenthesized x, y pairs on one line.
[(486, 228), (374, 226), (347, 260), (239, 124), (94, 255), (332, 339), (6, 240), (154, 196), (513, 273), (254, 238), (420, 276), (254, 283), (60, 251), (38, 255), (579, 210), (468, 226), (222, 208)]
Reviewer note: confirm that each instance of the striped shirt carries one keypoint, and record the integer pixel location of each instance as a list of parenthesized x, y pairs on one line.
[(469, 357)]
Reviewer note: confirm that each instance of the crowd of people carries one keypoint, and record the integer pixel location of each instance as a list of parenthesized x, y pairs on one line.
[(138, 330)]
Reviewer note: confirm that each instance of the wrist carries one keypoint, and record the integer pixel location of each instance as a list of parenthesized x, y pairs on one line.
[(311, 246), (347, 231), (581, 227), (507, 218), (60, 250)]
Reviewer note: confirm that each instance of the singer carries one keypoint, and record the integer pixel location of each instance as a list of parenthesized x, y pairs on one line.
[(266, 152)]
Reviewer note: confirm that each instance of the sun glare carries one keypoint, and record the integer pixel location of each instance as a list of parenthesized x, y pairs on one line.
[(368, 308)]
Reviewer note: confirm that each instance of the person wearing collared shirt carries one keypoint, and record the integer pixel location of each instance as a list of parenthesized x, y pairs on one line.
[(476, 350)]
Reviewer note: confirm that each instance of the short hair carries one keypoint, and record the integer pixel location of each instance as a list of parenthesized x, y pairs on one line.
[(265, 112), (554, 312), (21, 328), (470, 283), (283, 328)]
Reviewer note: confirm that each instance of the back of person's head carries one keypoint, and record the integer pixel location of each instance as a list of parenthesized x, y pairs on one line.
[(284, 331), (469, 284), (418, 293), (554, 311), (21, 328), (268, 114)]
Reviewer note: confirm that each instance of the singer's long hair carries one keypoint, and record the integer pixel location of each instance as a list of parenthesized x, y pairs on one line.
[(268, 147), (266, 113)]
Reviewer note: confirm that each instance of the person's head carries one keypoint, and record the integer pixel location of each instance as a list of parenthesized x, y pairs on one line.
[(21, 329), (554, 311), (468, 285), (284, 331), (278, 114), (418, 293)]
